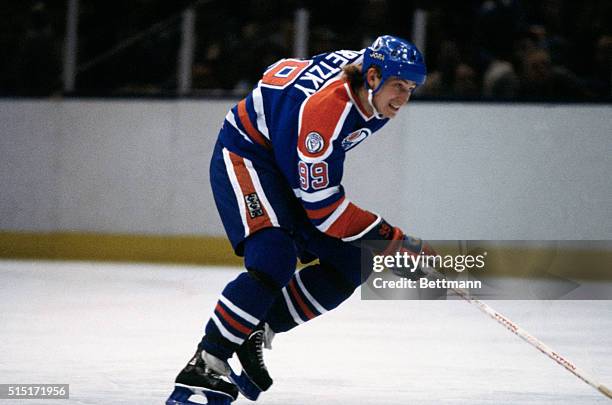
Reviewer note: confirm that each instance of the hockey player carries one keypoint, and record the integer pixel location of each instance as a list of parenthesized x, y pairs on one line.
[(276, 175)]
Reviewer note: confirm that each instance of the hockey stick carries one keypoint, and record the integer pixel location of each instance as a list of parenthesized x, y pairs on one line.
[(527, 337)]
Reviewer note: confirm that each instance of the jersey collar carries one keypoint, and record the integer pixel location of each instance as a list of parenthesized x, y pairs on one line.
[(357, 102)]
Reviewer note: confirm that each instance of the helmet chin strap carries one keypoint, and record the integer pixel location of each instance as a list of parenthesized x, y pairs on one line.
[(371, 101)]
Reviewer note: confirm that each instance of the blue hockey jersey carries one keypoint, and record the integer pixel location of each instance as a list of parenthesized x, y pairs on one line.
[(305, 113)]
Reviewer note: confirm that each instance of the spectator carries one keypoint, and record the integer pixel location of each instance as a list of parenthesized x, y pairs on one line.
[(476, 48), (453, 77), (39, 57), (500, 80), (540, 80), (598, 83)]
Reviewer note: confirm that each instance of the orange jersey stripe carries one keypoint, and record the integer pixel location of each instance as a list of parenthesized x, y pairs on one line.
[(325, 211), (321, 113), (309, 314), (253, 133), (352, 222), (228, 318), (246, 186)]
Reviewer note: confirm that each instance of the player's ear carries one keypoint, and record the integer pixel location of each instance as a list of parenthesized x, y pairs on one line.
[(373, 77)]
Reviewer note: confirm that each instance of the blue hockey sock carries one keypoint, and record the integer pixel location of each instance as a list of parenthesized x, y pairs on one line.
[(311, 292), (270, 258), (234, 316)]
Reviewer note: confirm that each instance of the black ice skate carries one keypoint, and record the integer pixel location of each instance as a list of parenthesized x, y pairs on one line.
[(203, 375), (254, 377)]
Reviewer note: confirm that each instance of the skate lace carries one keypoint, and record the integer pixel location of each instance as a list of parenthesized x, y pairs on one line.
[(258, 340)]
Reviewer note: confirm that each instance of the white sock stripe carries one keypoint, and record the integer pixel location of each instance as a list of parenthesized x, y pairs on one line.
[(226, 333), (291, 308), (260, 192), (310, 298), (229, 167), (238, 311)]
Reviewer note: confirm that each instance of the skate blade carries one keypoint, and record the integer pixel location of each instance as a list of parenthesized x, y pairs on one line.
[(245, 385), (181, 395)]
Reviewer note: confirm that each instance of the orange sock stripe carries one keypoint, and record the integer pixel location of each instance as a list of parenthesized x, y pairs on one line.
[(234, 323), (309, 314)]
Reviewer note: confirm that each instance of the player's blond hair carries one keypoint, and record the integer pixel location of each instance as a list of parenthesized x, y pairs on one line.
[(355, 77)]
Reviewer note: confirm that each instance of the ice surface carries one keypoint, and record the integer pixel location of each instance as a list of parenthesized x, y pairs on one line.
[(119, 333)]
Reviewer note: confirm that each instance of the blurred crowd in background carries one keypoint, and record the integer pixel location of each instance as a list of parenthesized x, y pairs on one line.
[(540, 50)]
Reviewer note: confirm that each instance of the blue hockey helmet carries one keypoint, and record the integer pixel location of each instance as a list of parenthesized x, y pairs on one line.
[(395, 57)]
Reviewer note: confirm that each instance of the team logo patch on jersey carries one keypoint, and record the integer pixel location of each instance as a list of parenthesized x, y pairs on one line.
[(253, 205), (314, 142), (354, 138)]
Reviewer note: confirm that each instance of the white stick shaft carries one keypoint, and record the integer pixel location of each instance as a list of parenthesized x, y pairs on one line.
[(532, 340)]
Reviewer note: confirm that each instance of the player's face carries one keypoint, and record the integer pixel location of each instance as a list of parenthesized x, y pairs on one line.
[(393, 95)]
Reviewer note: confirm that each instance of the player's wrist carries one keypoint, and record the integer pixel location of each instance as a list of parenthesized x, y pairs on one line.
[(383, 238), (386, 239)]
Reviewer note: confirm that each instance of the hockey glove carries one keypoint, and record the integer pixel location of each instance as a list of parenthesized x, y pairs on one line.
[(385, 239)]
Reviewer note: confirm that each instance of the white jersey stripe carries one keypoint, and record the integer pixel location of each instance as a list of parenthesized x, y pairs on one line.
[(260, 192), (236, 186), (316, 196), (334, 216), (312, 300), (247, 317), (291, 308), (226, 333), (360, 234), (261, 114), (232, 120)]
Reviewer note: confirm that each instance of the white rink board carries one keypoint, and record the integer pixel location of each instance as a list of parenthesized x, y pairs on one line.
[(439, 171), (119, 333)]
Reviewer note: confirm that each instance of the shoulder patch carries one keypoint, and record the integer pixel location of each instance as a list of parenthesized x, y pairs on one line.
[(314, 142), (322, 116), (355, 138)]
